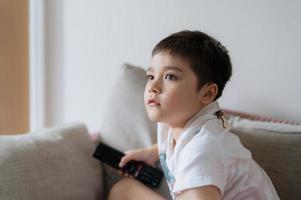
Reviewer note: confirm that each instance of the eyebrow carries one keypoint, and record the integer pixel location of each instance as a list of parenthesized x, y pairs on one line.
[(167, 68)]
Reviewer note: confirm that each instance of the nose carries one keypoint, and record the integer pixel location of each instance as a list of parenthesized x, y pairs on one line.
[(153, 90), (154, 87)]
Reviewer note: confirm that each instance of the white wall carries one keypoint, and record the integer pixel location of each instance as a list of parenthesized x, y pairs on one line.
[(89, 39)]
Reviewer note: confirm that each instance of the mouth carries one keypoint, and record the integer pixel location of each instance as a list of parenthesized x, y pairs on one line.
[(153, 102)]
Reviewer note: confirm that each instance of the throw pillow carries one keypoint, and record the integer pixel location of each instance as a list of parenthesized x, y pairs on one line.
[(49, 164)]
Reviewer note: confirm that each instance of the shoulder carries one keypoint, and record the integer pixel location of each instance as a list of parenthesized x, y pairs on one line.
[(208, 138), (207, 146)]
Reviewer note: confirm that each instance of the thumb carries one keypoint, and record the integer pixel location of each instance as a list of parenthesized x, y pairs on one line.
[(125, 159)]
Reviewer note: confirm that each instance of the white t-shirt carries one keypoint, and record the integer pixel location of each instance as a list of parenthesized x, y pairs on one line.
[(206, 153)]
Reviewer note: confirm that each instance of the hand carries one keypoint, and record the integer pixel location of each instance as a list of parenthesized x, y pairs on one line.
[(147, 155)]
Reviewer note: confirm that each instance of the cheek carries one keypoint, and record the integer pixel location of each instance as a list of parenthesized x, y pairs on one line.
[(181, 100), (174, 99), (145, 96)]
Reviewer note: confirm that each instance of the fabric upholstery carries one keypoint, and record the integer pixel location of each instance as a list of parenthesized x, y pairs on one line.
[(49, 164), (279, 154)]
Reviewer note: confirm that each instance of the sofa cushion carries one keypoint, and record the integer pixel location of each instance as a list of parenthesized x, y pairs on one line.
[(277, 152), (125, 124), (53, 163)]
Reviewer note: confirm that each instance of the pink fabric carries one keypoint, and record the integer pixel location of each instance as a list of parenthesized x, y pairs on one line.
[(253, 117), (95, 137)]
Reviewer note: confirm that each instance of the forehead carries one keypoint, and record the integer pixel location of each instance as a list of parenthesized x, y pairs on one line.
[(165, 68), (164, 61)]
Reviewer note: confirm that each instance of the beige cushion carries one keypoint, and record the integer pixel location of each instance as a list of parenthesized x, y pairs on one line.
[(125, 124), (50, 164), (278, 153)]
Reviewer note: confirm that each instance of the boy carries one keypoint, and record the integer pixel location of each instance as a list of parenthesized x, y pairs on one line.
[(200, 158)]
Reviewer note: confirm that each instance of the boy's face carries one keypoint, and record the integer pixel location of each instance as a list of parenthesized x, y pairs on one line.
[(171, 94)]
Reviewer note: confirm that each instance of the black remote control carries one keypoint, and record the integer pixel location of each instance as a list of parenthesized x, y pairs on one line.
[(143, 172)]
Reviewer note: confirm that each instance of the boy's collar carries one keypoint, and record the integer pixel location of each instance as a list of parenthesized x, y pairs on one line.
[(211, 108), (208, 112)]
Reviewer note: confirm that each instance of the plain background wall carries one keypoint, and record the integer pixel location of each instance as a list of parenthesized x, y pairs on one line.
[(87, 41)]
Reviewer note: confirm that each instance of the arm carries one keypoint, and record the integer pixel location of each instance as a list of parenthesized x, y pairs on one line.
[(209, 192)]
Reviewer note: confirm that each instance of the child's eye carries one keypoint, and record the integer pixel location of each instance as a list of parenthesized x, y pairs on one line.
[(150, 77), (170, 77)]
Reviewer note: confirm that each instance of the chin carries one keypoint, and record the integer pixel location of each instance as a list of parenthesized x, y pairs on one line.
[(153, 116)]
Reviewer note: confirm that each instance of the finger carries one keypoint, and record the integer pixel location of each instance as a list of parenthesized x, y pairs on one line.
[(124, 160), (122, 173)]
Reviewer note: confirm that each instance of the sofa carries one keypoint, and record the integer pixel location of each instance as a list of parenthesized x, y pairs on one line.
[(57, 162)]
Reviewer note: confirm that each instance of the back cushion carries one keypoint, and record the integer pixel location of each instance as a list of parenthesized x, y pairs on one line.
[(279, 154)]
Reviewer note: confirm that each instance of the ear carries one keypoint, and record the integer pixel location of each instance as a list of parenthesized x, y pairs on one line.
[(208, 92)]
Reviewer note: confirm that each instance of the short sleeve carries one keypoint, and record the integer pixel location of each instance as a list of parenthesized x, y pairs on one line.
[(201, 163)]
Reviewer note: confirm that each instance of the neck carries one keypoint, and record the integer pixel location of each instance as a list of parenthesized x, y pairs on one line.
[(177, 128), (176, 132)]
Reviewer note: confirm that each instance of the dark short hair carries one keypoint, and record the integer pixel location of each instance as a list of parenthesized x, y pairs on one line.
[(207, 57)]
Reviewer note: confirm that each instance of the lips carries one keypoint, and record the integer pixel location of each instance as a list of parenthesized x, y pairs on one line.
[(153, 102)]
